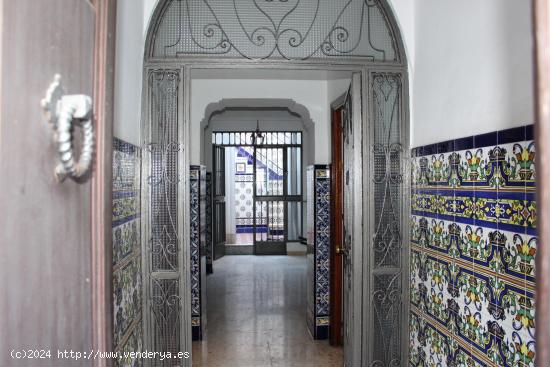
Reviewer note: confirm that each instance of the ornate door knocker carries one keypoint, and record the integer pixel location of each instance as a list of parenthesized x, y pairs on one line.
[(63, 112)]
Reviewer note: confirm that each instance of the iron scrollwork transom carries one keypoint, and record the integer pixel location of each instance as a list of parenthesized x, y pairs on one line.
[(287, 29)]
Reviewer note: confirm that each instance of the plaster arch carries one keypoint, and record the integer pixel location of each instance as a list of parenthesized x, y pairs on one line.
[(258, 105)]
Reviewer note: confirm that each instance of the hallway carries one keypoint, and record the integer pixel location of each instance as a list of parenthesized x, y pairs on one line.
[(253, 183), (256, 316)]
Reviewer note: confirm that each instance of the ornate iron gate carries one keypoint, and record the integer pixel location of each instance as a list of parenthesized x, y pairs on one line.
[(355, 35), (275, 185), (163, 229), (387, 276)]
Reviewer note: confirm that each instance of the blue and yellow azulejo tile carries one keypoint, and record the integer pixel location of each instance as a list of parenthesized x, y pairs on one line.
[(127, 287), (474, 243)]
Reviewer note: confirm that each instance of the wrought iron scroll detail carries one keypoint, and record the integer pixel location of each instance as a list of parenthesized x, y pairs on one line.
[(162, 152), (387, 239), (166, 311), (263, 29), (164, 176), (388, 169)]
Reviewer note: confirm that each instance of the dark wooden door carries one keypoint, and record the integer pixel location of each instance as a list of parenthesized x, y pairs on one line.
[(337, 226), (45, 225)]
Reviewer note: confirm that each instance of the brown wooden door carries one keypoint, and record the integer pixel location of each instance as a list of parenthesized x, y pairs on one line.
[(45, 226), (337, 225)]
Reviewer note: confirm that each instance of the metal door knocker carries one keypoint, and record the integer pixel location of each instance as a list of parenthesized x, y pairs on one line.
[(63, 112)]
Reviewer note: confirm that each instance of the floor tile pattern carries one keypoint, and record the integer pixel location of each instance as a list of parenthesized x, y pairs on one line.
[(256, 316)]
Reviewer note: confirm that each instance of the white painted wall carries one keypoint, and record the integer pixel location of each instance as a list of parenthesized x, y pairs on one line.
[(128, 70), (404, 11), (473, 68), (310, 93)]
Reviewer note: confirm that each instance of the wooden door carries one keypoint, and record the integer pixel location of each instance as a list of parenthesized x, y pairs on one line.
[(337, 226), (45, 226)]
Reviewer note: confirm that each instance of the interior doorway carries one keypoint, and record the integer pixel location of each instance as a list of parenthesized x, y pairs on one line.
[(336, 220), (261, 175)]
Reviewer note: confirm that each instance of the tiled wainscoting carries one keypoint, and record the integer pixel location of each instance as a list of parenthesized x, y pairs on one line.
[(473, 233), (208, 224), (318, 250), (127, 291), (197, 208)]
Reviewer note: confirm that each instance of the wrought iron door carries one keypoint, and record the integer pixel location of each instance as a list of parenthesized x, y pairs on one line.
[(277, 193), (387, 282), (351, 295), (276, 178), (270, 221), (163, 227), (218, 211)]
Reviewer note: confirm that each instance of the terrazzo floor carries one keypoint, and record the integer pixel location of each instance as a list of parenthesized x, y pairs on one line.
[(256, 316)]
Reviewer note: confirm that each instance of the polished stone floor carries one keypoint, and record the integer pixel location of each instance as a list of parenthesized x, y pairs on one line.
[(256, 310)]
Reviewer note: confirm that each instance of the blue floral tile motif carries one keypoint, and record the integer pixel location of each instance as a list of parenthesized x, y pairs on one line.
[(197, 196), (127, 285), (318, 213), (473, 249), (127, 299), (208, 229), (195, 245), (125, 240)]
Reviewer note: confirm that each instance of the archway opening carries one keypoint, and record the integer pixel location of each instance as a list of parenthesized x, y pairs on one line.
[(358, 37)]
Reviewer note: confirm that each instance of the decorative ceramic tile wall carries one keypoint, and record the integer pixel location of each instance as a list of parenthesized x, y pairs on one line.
[(318, 250), (474, 242), (208, 244), (127, 288), (244, 190), (244, 202), (198, 249)]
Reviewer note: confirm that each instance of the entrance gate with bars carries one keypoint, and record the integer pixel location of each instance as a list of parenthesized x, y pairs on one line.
[(360, 36), (276, 180)]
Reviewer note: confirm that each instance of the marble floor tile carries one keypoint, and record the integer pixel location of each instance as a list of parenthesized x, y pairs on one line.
[(256, 316)]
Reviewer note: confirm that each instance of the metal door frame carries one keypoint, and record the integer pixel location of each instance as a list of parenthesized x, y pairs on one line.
[(362, 160), (285, 198), (265, 198), (216, 200), (361, 163)]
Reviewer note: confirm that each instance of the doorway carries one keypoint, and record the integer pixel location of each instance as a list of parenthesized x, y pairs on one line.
[(336, 220), (357, 36), (265, 182)]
